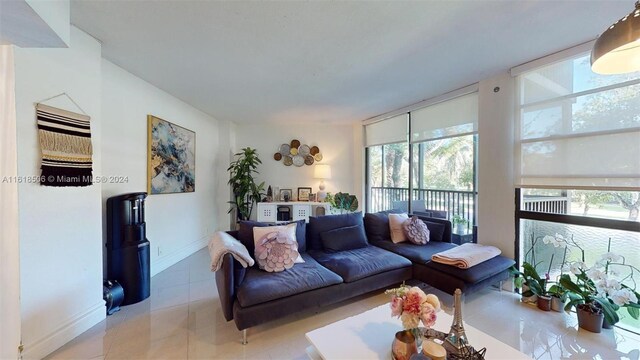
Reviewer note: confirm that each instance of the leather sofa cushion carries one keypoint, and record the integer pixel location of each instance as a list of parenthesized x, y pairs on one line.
[(245, 233), (260, 286), (320, 224), (346, 238), (476, 273), (420, 254), (353, 265)]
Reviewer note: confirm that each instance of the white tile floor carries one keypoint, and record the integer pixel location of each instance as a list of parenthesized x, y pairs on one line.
[(182, 320)]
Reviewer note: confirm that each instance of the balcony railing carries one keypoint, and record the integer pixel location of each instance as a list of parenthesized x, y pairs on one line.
[(452, 202), (546, 204)]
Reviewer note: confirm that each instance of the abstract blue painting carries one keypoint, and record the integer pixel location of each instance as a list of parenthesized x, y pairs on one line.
[(171, 159)]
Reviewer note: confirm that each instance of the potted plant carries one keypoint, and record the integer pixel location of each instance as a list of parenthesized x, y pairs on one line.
[(246, 193), (598, 292), (534, 287), (459, 222), (558, 297), (342, 202)]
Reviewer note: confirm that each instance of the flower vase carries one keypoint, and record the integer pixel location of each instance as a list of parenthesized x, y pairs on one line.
[(590, 321), (404, 345), (557, 304)]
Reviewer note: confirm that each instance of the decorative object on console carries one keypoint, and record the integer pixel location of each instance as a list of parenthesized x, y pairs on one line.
[(303, 193), (65, 145), (313, 197), (342, 202), (285, 194), (297, 154), (171, 157), (322, 172), (617, 51), (269, 194), (246, 193)]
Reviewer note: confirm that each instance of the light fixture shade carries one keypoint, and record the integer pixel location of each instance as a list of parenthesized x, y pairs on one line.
[(322, 171), (617, 50)]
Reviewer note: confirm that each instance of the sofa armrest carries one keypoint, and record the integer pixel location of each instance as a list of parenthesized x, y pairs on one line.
[(446, 236), (228, 279)]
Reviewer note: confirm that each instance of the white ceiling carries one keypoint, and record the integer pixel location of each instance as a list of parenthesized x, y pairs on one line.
[(252, 62)]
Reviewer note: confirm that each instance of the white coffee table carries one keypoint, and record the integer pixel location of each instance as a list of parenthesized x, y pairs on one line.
[(369, 336)]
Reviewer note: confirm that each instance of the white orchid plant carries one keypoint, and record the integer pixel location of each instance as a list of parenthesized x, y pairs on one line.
[(600, 288)]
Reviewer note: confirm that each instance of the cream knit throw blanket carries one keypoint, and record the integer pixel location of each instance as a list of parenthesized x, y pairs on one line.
[(221, 244), (466, 255)]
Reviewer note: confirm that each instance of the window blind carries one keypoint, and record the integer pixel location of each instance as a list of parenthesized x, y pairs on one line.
[(388, 131), (453, 117), (577, 129)]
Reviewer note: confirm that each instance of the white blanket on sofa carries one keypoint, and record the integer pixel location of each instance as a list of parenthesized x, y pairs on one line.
[(221, 244), (466, 255)]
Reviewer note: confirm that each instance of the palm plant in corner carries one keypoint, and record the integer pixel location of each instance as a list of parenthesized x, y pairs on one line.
[(246, 193)]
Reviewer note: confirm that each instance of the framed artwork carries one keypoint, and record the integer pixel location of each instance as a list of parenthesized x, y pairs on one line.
[(171, 157), (312, 197), (303, 193), (285, 194)]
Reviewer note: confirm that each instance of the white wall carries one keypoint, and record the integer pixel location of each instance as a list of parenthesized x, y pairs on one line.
[(336, 142), (495, 164), (60, 228), (9, 224), (177, 224)]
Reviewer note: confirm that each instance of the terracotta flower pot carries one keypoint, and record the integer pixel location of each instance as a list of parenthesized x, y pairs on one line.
[(404, 345), (544, 303), (557, 304), (590, 321)]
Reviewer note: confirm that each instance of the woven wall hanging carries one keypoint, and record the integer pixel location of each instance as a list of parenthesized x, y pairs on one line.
[(65, 144)]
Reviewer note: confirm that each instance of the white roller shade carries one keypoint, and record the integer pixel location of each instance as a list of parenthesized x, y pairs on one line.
[(577, 129), (599, 161), (389, 131), (449, 118)]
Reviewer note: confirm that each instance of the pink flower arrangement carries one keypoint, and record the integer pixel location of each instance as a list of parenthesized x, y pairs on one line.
[(413, 306)]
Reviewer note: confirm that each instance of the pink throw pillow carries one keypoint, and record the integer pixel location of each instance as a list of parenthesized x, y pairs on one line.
[(416, 231), (276, 247)]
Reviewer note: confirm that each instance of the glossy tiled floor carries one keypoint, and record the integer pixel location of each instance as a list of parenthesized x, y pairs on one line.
[(182, 320)]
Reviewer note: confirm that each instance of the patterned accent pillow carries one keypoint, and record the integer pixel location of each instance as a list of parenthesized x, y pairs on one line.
[(276, 247), (416, 231)]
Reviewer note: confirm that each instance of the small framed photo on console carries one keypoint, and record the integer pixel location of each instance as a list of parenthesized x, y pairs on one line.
[(303, 193), (285, 194)]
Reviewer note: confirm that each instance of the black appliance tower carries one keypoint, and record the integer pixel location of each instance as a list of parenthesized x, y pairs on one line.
[(128, 250)]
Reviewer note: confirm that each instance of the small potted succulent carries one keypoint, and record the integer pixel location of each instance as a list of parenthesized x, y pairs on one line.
[(459, 222)]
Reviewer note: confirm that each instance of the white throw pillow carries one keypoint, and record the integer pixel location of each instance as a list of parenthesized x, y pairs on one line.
[(276, 248), (395, 226)]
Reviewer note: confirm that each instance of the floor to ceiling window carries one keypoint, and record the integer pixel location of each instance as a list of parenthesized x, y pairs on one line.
[(578, 171), (440, 155)]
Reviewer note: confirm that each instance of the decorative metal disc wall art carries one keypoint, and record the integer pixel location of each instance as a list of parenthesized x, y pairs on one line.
[(297, 154)]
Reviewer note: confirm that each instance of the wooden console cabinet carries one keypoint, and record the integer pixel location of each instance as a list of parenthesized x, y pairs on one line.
[(299, 210)]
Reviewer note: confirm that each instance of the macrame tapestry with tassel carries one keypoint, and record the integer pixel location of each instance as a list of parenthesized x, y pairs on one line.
[(65, 142)]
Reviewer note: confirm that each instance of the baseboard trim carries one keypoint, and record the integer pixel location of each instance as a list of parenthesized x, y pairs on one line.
[(65, 333), (164, 262)]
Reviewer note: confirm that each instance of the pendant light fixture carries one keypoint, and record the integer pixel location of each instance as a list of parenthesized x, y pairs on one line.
[(617, 50)]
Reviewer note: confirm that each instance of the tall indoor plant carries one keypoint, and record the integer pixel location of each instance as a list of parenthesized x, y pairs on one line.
[(246, 193)]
